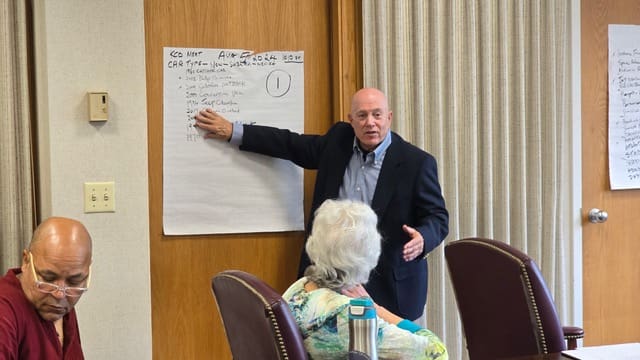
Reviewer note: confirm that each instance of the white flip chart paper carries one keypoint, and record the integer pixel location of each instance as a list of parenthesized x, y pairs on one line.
[(624, 106), (209, 186)]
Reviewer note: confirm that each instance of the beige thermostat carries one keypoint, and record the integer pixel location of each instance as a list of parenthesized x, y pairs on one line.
[(98, 106)]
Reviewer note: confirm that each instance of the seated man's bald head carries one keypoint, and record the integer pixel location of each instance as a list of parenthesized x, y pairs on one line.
[(61, 234)]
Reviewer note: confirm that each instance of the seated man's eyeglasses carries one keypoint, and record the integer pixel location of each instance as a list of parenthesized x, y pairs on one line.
[(49, 288)]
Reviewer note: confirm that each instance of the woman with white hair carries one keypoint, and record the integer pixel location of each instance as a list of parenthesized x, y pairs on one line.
[(344, 247)]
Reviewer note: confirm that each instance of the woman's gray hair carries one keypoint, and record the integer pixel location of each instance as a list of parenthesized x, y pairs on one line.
[(344, 244)]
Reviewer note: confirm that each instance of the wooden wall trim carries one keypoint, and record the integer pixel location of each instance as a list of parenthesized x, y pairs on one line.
[(346, 48)]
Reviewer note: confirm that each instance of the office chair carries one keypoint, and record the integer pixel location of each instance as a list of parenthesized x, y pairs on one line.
[(256, 319), (505, 306)]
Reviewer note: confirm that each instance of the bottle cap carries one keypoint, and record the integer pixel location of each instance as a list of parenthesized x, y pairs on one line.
[(361, 308)]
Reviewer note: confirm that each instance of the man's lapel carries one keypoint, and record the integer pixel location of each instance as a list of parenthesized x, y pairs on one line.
[(388, 178), (335, 174)]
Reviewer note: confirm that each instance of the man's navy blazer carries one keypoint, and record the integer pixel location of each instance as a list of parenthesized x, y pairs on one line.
[(407, 192)]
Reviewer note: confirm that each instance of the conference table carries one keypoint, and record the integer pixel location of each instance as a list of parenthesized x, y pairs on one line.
[(614, 351), (554, 356)]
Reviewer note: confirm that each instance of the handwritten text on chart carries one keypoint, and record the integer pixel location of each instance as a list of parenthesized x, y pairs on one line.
[(211, 81), (627, 63)]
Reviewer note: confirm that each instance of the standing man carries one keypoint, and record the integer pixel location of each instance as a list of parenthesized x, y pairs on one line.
[(37, 315), (364, 161)]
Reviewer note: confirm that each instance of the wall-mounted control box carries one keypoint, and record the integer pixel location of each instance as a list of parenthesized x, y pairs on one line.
[(98, 106)]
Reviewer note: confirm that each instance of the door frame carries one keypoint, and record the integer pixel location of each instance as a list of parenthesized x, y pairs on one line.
[(576, 285)]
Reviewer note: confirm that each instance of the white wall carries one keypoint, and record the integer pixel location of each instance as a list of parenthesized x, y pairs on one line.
[(81, 46)]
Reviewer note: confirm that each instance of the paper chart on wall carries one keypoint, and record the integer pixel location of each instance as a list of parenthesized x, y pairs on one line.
[(209, 186), (624, 106)]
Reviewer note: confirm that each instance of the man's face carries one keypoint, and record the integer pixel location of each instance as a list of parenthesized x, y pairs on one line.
[(54, 268), (370, 118)]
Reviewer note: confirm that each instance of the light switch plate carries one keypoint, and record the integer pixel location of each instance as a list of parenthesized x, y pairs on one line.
[(99, 197)]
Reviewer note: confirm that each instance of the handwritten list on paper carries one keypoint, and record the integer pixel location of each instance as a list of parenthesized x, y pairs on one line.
[(209, 186), (624, 106)]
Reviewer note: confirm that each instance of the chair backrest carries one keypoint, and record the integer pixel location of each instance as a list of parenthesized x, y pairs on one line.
[(505, 306), (257, 320)]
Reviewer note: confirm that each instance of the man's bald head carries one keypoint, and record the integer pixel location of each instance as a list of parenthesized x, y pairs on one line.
[(369, 95), (61, 234)]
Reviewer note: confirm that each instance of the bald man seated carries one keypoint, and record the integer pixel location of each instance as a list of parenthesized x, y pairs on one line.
[(37, 316)]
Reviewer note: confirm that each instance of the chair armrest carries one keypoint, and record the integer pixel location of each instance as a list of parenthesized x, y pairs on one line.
[(572, 334)]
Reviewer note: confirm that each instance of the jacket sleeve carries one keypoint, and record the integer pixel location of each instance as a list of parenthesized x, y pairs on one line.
[(432, 217), (303, 150)]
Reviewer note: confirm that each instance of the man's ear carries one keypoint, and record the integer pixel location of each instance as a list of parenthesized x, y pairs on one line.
[(25, 259)]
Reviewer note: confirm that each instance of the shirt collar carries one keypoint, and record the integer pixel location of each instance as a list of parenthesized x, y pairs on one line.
[(378, 151)]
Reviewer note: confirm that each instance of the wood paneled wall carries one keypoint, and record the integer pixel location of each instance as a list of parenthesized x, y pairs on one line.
[(185, 320), (611, 250)]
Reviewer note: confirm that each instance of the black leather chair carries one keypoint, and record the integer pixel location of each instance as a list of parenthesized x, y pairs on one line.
[(257, 320), (505, 306)]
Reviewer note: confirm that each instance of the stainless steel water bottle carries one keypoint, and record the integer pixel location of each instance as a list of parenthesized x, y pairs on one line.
[(363, 330)]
